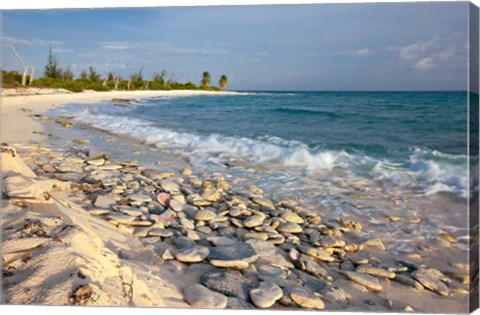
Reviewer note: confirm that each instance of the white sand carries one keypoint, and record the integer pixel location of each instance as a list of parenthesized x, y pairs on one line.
[(18, 127)]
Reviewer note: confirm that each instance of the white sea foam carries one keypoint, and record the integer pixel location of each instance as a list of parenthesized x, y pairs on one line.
[(431, 171)]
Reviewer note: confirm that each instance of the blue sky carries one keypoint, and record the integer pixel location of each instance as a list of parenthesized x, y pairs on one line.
[(395, 46)]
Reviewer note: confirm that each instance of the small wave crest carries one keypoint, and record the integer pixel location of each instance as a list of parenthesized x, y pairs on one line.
[(431, 171)]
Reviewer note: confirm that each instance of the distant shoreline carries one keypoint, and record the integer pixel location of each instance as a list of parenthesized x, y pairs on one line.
[(17, 125)]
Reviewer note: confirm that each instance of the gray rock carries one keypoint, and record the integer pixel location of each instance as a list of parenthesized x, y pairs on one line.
[(292, 217), (159, 233), (176, 205), (121, 218), (187, 223), (315, 252), (69, 168), (375, 271), (270, 253), (237, 256), (374, 242), (311, 266), (327, 241), (253, 221), (289, 227), (96, 162), (199, 296), (191, 254), (408, 281), (221, 240), (264, 203), (228, 282), (238, 304), (154, 174), (171, 187), (335, 295), (70, 177), (205, 215), (183, 242), (140, 198), (366, 280), (310, 282), (431, 280), (266, 294), (307, 301)]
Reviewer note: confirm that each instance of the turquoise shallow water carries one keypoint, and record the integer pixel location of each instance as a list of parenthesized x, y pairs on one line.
[(399, 139)]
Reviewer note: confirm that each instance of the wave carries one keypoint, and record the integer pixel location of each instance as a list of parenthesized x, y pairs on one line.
[(430, 171)]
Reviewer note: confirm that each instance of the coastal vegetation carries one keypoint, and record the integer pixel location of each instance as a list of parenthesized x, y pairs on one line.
[(54, 76)]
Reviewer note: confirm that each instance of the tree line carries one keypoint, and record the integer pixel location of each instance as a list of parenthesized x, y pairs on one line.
[(55, 76)]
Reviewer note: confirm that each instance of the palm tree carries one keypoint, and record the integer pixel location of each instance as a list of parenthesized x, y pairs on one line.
[(205, 79), (223, 82)]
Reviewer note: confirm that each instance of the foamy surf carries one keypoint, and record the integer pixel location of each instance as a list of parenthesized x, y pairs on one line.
[(428, 171)]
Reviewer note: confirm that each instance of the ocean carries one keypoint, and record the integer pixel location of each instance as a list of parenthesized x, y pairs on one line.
[(369, 154)]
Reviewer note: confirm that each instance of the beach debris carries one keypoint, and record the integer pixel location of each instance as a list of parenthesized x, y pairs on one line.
[(81, 295)]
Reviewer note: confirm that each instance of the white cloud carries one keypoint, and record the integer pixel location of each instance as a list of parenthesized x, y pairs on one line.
[(412, 52), (8, 41), (160, 47), (364, 52), (425, 64), (431, 53)]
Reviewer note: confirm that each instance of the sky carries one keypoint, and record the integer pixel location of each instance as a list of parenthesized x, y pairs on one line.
[(389, 46)]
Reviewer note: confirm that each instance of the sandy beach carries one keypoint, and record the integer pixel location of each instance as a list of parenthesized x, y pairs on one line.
[(81, 227)]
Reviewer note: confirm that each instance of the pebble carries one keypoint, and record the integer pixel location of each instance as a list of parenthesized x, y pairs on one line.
[(292, 217), (159, 233), (290, 227), (264, 203), (205, 215), (228, 282), (374, 271), (191, 254), (237, 256), (199, 296), (176, 205), (163, 199), (96, 162), (406, 280), (315, 252), (430, 280), (99, 212), (305, 300), (266, 294), (139, 198), (253, 221), (365, 280)]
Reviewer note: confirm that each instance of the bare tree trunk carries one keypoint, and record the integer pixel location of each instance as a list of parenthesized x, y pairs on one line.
[(24, 76), (128, 85), (25, 67), (116, 81), (32, 76), (145, 85)]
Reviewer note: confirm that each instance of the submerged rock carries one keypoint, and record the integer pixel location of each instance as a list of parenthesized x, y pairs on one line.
[(431, 280)]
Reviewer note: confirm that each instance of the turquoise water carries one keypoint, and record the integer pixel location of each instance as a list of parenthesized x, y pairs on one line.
[(414, 140)]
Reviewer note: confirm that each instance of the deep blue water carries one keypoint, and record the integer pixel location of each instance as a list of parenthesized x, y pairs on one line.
[(405, 138)]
